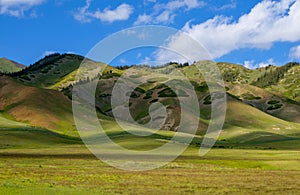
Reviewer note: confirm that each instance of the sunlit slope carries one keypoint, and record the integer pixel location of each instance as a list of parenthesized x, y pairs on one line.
[(50, 71), (270, 103), (246, 125), (40, 107), (289, 85), (254, 114), (9, 66)]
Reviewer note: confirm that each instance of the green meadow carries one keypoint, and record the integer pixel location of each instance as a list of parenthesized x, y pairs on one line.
[(72, 169), (39, 161), (41, 152)]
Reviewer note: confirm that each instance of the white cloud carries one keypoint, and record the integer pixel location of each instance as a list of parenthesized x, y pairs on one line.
[(231, 5), (295, 52), (252, 65), (166, 16), (165, 13), (148, 61), (82, 13), (268, 22), (267, 63), (146, 2), (122, 12), (17, 8), (123, 61), (46, 53), (181, 48), (143, 19), (249, 64), (139, 55), (188, 4)]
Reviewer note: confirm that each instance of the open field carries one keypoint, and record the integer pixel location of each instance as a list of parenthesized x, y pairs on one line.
[(39, 161), (257, 152), (72, 169)]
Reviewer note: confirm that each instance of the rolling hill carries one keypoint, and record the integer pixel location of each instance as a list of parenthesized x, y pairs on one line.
[(49, 71), (38, 107), (9, 66), (258, 111)]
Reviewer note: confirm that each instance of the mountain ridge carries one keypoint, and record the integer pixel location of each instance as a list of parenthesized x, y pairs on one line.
[(53, 78)]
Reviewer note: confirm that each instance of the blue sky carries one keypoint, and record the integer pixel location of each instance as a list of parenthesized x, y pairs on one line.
[(253, 33)]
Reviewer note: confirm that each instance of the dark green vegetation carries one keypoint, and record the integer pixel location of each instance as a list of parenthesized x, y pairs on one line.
[(282, 81), (49, 71), (273, 76), (257, 151)]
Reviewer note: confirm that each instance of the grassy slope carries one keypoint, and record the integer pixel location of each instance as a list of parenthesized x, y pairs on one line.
[(247, 125), (10, 66), (50, 70), (15, 134), (55, 71), (262, 99), (59, 164), (57, 110), (40, 107), (289, 85)]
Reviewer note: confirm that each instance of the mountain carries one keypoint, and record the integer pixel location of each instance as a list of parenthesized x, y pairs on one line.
[(263, 104), (282, 80), (7, 65), (50, 71), (150, 92)]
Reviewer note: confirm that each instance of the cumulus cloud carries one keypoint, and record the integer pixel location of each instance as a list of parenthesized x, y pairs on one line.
[(295, 52), (252, 65), (267, 22), (249, 64), (122, 12), (181, 48), (17, 8), (143, 19), (267, 63), (165, 13)]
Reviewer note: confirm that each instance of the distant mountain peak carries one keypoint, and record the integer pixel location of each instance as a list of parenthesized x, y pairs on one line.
[(9, 66)]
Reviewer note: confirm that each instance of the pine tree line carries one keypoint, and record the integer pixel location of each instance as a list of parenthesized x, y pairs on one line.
[(274, 76)]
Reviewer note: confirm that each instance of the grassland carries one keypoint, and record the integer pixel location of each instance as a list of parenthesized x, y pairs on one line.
[(74, 170), (39, 161)]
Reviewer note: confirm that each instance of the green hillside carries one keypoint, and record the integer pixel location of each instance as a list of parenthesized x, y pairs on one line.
[(254, 114), (282, 80), (50, 71), (289, 84), (42, 153), (39, 107), (9, 66), (266, 101)]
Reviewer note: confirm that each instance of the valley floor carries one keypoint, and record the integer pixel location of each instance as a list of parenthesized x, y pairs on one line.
[(72, 169)]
